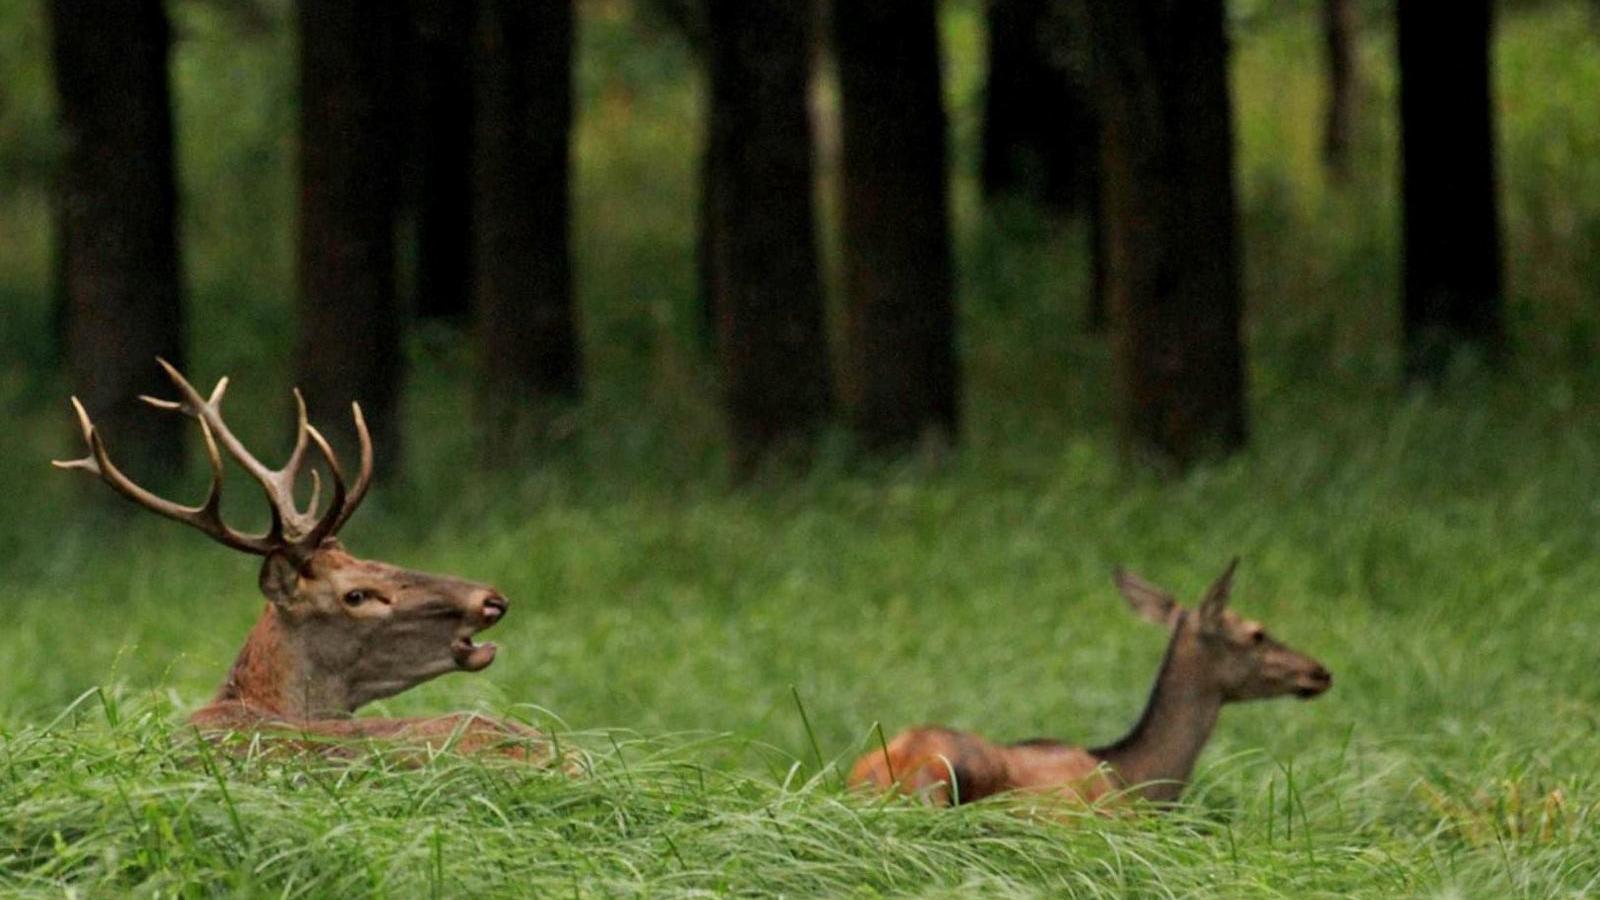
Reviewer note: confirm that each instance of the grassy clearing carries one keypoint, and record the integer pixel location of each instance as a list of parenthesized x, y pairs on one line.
[(1454, 601), (1437, 552)]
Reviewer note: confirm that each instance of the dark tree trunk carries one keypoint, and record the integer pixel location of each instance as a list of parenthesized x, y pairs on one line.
[(705, 269), (527, 324), (1038, 126), (1097, 318), (1339, 32), (350, 145), (1173, 271), (121, 302), (690, 16), (899, 308), (441, 155), (1452, 221), (768, 302)]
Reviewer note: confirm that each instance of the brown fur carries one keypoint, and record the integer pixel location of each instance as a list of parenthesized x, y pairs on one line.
[(1213, 657), (921, 762), (255, 670), (252, 701), (312, 659), (338, 632)]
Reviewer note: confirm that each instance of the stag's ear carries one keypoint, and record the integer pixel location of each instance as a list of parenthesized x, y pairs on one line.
[(1216, 599), (1151, 603), (280, 577)]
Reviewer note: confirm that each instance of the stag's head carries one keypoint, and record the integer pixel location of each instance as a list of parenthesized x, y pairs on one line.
[(1230, 653), (350, 630)]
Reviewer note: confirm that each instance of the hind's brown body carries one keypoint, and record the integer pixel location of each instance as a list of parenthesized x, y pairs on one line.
[(1213, 657), (922, 761)]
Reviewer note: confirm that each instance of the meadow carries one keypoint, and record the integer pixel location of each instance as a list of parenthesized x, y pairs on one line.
[(719, 654)]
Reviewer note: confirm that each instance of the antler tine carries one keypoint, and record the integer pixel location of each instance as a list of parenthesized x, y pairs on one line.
[(291, 469), (316, 493), (158, 403), (85, 426), (292, 529), (289, 524), (328, 525), (363, 477), (214, 460), (211, 411), (206, 517), (344, 501), (86, 463)]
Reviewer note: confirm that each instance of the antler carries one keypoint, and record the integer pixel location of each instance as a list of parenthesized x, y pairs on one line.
[(293, 530)]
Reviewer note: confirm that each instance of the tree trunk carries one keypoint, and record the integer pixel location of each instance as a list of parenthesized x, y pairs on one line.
[(705, 269), (1097, 318), (527, 323), (1173, 272), (441, 155), (1339, 31), (1452, 221), (768, 302), (120, 288), (350, 328), (900, 320), (1038, 125)]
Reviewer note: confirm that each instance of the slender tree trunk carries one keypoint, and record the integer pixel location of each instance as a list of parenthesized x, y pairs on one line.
[(350, 144), (117, 257), (1038, 126), (1097, 318), (705, 241), (1340, 32), (441, 155), (768, 302), (897, 272), (1173, 270), (1452, 221), (527, 323)]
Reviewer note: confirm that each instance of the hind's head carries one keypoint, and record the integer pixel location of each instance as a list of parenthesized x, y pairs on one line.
[(1239, 658)]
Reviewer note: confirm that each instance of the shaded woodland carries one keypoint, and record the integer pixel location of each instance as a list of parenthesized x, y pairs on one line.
[(799, 373), (453, 124)]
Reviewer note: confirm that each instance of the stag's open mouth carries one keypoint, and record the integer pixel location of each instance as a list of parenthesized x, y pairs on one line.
[(469, 655), (472, 656)]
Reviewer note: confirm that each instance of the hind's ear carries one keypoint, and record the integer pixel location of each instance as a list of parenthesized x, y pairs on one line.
[(1216, 599), (1151, 603)]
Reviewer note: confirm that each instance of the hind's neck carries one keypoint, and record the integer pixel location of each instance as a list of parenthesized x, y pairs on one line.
[(1157, 757)]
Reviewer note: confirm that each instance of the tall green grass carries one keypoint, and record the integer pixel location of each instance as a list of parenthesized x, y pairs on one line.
[(719, 656)]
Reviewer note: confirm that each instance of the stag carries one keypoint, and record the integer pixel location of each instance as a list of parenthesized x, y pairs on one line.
[(337, 632), (1214, 657)]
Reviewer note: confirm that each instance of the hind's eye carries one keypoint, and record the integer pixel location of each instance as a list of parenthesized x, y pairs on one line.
[(1258, 637), (355, 598)]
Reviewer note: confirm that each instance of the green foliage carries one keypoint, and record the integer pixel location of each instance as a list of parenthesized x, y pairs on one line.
[(110, 795), (1436, 551)]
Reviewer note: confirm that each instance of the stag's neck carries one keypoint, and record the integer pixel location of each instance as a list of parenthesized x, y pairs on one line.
[(1157, 757), (273, 678)]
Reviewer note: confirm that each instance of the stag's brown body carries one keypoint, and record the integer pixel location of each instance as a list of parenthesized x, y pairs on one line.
[(336, 632), (1213, 657)]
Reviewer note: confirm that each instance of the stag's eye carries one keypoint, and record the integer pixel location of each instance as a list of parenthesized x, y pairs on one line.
[(355, 598), (1258, 637)]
